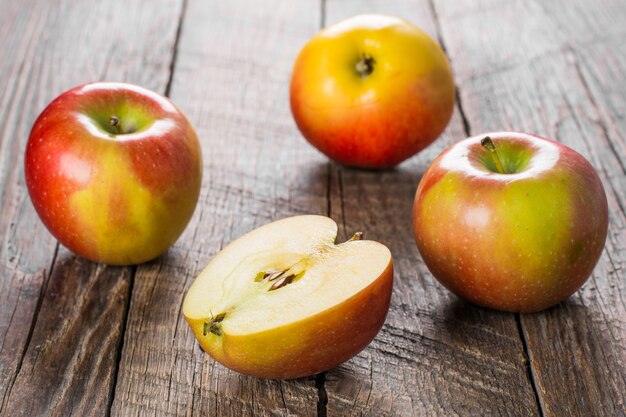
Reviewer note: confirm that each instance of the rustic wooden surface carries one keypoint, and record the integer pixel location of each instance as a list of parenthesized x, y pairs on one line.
[(77, 338)]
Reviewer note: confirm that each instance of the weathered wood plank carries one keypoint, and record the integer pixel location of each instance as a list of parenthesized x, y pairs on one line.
[(61, 335), (70, 361), (26, 249), (231, 78), (528, 66), (435, 355)]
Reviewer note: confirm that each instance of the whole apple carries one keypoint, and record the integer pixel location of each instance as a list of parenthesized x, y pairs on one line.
[(286, 301), (510, 221), (114, 172), (371, 91)]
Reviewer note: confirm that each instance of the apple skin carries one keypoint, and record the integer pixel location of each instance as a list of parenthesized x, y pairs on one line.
[(113, 198), (518, 242), (377, 120), (305, 346)]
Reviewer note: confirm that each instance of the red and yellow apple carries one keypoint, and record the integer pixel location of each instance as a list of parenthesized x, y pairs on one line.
[(510, 221), (371, 91), (114, 172), (285, 301)]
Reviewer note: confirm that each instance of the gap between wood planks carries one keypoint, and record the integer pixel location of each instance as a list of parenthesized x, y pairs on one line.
[(120, 344), (320, 379), (33, 323), (468, 132), (529, 369)]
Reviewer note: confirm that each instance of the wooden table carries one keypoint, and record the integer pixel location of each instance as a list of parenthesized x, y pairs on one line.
[(83, 339)]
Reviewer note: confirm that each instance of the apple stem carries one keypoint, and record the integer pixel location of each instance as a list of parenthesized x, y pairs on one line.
[(487, 143), (115, 122), (356, 236), (365, 66)]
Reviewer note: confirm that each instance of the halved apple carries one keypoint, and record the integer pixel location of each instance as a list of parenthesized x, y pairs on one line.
[(285, 301)]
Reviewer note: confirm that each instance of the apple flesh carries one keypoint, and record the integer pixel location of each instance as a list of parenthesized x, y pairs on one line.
[(114, 172), (516, 223), (284, 301), (371, 91)]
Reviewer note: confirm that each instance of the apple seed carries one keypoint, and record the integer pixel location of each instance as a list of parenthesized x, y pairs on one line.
[(274, 275), (282, 279), (282, 282)]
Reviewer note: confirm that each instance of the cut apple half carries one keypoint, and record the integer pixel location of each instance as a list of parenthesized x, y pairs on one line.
[(285, 301)]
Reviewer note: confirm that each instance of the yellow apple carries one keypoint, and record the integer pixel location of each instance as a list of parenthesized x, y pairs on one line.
[(371, 91), (285, 301)]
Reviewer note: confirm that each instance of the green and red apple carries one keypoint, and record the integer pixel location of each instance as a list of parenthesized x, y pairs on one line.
[(371, 91), (510, 221), (286, 301), (114, 172)]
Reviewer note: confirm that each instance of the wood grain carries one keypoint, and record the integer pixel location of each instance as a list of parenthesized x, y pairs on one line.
[(231, 78), (26, 249), (61, 331), (535, 73), (69, 365)]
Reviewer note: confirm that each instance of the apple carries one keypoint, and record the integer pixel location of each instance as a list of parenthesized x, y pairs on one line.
[(510, 221), (284, 301), (371, 91), (114, 172)]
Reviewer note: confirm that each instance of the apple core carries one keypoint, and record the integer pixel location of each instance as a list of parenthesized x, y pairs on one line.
[(270, 272)]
